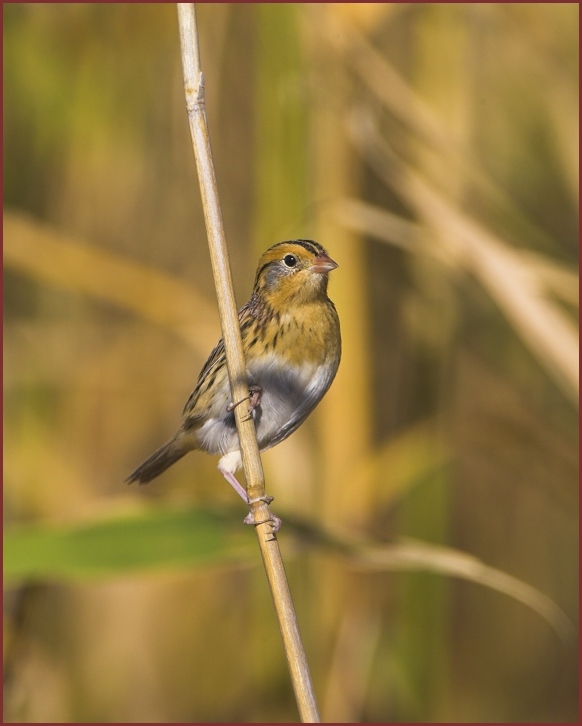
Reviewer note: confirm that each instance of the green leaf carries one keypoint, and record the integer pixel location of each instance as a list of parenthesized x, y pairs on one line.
[(155, 540)]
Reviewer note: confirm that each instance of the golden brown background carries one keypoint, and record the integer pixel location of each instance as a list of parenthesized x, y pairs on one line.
[(433, 150)]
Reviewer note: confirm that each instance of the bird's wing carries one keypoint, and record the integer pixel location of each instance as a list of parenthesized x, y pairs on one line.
[(216, 361)]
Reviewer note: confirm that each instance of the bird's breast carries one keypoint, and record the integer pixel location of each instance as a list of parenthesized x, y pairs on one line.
[(293, 358)]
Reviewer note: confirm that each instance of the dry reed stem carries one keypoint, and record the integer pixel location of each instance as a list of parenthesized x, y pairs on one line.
[(421, 120), (66, 262), (194, 89), (410, 554), (543, 327)]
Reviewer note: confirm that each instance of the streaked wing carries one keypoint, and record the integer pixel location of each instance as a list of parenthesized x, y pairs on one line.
[(216, 360)]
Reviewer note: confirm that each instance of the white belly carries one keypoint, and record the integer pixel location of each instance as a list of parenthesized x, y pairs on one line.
[(289, 394)]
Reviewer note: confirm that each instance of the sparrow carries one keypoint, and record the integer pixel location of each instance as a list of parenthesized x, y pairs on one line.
[(292, 346)]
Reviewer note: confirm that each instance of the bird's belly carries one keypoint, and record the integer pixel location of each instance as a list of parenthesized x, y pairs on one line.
[(283, 393), (288, 394)]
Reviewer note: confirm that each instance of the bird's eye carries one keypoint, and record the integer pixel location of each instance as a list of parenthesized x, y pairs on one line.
[(290, 260)]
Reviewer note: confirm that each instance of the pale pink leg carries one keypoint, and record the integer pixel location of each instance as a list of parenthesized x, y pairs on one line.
[(233, 481)]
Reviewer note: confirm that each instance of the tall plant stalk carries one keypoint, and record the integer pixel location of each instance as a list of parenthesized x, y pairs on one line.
[(194, 90)]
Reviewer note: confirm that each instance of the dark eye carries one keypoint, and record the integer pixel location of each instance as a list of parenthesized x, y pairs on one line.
[(290, 260)]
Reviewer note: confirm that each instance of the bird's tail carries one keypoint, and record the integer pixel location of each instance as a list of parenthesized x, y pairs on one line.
[(159, 461)]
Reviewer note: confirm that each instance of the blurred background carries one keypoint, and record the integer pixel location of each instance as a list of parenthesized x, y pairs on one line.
[(430, 503)]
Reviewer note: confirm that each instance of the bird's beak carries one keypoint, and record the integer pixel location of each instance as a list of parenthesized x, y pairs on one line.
[(323, 263)]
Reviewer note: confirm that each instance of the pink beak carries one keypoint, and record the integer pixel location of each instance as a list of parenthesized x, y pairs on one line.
[(322, 264)]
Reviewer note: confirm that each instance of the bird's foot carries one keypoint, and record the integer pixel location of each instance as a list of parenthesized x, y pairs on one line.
[(254, 399), (241, 491), (274, 521)]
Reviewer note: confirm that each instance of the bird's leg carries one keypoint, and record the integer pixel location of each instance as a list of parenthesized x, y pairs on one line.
[(254, 399), (234, 483)]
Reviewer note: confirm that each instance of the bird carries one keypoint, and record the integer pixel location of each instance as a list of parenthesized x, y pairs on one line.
[(292, 346)]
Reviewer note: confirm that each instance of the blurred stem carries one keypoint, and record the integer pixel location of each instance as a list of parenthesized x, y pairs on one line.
[(281, 125), (194, 90), (345, 414), (441, 78), (48, 256)]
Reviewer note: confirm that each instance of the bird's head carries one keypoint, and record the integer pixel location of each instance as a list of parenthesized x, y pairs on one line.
[(293, 271)]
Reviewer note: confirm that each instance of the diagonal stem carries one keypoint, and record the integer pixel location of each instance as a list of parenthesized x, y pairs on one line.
[(253, 470)]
